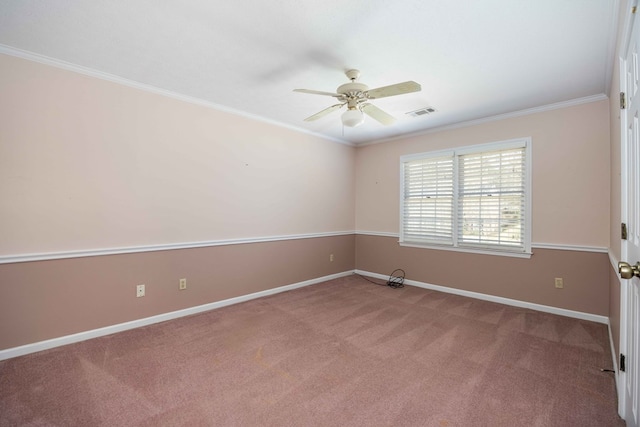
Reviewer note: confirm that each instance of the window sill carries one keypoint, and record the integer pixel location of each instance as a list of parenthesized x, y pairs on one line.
[(525, 255)]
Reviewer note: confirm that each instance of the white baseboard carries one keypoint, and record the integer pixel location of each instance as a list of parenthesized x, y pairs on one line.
[(108, 330), (500, 300)]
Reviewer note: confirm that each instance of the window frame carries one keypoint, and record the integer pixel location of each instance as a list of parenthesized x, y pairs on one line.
[(525, 251)]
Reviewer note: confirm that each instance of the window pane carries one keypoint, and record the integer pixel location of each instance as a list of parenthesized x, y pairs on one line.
[(428, 200), (474, 197), (491, 198), (492, 220)]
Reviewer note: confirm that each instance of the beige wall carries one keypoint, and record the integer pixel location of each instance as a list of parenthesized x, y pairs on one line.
[(585, 274), (90, 164), (48, 299), (570, 172), (570, 202)]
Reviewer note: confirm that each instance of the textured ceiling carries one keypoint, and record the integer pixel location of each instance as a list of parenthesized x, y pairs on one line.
[(474, 59)]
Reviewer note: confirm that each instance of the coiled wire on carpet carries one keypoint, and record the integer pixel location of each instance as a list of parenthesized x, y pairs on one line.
[(395, 280)]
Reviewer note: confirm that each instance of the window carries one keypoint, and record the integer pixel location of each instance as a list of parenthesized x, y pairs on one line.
[(472, 199)]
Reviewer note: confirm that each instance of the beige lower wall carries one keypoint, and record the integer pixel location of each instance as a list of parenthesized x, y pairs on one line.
[(42, 300), (585, 274)]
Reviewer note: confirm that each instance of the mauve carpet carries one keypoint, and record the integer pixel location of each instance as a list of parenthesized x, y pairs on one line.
[(341, 353)]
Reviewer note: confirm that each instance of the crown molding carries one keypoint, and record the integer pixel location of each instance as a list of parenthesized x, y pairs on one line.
[(46, 60), (476, 122)]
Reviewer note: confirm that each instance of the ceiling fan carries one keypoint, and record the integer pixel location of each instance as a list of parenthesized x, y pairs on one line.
[(355, 96)]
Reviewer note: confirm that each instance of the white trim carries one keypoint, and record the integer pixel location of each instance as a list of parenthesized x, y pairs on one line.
[(619, 376), (108, 330), (526, 112), (8, 259), (613, 354), (507, 144), (455, 242), (46, 60), (578, 248), (427, 155), (556, 246), (500, 300), (469, 250), (611, 45), (626, 39), (613, 260), (378, 233)]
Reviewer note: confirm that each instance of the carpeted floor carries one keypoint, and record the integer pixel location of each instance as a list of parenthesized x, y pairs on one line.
[(340, 353)]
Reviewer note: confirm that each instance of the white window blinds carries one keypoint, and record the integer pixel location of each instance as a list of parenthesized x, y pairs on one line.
[(428, 200), (491, 198), (474, 198)]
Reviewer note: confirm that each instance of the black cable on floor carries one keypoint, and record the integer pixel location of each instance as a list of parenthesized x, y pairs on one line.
[(395, 280)]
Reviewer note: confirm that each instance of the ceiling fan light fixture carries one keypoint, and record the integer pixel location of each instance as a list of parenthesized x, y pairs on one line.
[(352, 118), (356, 97)]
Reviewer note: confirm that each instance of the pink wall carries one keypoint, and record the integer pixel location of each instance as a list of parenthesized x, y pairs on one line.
[(570, 172), (87, 164), (570, 203), (90, 164), (585, 274)]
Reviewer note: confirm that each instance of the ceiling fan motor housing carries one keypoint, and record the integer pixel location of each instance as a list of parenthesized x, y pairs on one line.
[(356, 96), (352, 87), (353, 93)]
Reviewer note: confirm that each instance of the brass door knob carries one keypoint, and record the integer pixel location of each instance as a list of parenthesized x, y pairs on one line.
[(627, 271)]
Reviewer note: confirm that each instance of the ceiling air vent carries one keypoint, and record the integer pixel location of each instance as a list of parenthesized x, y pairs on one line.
[(421, 112)]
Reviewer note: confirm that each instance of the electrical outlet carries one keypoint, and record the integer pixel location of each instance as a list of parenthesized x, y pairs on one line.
[(183, 284), (559, 283), (140, 291), (331, 258)]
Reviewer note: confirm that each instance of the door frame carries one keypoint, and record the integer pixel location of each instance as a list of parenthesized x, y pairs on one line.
[(625, 285)]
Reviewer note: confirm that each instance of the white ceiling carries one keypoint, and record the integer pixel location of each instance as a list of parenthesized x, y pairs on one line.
[(474, 59)]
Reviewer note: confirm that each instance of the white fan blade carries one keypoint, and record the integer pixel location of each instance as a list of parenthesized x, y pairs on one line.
[(323, 113), (396, 89), (378, 114), (317, 92)]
